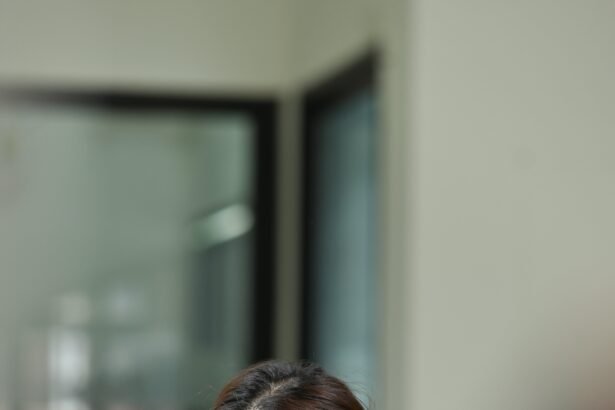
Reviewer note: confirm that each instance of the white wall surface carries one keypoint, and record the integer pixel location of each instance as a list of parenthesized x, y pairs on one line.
[(238, 45), (511, 165), (327, 34)]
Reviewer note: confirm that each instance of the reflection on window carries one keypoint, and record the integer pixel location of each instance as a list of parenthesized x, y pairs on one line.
[(342, 241), (126, 251)]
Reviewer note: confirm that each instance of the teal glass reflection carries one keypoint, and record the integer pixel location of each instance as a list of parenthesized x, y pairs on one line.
[(125, 241), (343, 261)]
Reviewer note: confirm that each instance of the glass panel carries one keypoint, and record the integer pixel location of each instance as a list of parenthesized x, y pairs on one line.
[(343, 248), (126, 241)]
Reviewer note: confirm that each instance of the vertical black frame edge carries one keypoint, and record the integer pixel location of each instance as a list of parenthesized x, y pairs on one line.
[(265, 289), (336, 87), (306, 231)]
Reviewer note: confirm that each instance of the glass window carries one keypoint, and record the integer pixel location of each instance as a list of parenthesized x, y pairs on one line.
[(127, 244), (341, 235)]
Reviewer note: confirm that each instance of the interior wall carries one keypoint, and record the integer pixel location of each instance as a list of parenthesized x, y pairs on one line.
[(185, 45), (328, 34), (512, 225)]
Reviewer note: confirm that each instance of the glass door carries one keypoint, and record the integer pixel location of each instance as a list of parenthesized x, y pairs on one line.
[(136, 247), (340, 226)]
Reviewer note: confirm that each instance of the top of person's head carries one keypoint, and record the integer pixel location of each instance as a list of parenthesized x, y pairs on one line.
[(286, 386)]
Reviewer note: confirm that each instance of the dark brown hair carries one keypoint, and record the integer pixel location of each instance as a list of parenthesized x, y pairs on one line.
[(277, 385)]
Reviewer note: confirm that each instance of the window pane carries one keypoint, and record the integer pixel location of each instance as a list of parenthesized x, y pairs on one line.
[(126, 244), (343, 241)]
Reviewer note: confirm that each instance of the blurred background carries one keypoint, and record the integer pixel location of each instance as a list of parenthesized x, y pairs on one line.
[(417, 194)]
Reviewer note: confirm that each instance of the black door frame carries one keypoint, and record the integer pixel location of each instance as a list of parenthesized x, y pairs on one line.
[(263, 113), (317, 99)]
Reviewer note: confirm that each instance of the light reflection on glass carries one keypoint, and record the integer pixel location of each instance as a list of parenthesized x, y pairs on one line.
[(118, 228)]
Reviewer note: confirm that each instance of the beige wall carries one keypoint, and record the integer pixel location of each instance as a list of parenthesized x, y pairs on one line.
[(238, 45), (512, 196), (327, 34)]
